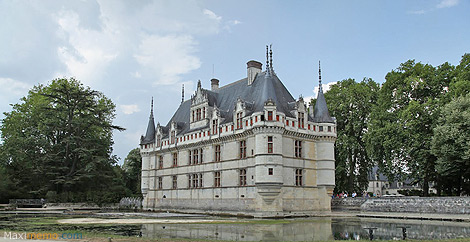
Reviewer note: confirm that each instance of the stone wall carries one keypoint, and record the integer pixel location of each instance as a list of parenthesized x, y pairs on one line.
[(348, 204), (441, 205)]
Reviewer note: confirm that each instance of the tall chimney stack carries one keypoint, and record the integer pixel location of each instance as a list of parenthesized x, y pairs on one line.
[(214, 84), (253, 68)]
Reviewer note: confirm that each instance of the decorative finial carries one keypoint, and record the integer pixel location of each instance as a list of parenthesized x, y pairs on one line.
[(182, 94), (320, 89), (199, 84), (151, 108), (267, 60), (271, 56)]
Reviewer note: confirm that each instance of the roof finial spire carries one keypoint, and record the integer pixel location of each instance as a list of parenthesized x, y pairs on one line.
[(151, 108), (320, 89), (271, 57), (267, 60), (182, 94), (199, 84)]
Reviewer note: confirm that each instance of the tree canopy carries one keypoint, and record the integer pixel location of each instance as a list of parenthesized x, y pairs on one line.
[(58, 143), (351, 103)]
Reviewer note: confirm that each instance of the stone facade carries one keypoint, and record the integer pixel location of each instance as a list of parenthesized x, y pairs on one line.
[(247, 148)]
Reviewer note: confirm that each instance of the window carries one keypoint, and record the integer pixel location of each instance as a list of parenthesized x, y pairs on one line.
[(320, 128), (195, 157), (173, 136), (193, 117), (175, 159), (189, 157), (270, 144), (201, 158), (217, 179), (159, 140), (239, 120), (217, 153), (298, 177), (160, 162), (298, 149), (242, 181), (214, 126), (270, 171), (160, 183), (300, 120), (277, 117), (195, 180), (198, 114), (287, 122), (243, 149), (329, 128), (203, 112), (175, 182), (200, 180), (270, 115)]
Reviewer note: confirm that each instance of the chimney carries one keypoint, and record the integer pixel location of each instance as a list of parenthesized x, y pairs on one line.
[(214, 84), (253, 68)]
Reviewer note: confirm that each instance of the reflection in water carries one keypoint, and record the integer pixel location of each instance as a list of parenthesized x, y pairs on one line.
[(310, 229), (294, 231)]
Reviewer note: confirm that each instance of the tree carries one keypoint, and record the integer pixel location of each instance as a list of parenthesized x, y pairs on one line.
[(451, 146), (58, 140), (132, 168), (400, 131), (351, 103)]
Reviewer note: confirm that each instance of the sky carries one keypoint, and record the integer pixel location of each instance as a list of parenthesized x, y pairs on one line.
[(135, 50)]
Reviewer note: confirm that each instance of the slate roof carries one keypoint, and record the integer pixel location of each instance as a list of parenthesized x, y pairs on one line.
[(265, 86), (321, 114), (150, 134)]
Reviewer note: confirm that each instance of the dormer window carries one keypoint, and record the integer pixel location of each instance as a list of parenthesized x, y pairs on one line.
[(173, 136), (300, 120), (198, 114), (239, 120), (270, 115), (215, 124), (159, 140)]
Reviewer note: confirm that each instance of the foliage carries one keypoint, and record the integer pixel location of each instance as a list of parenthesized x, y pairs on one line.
[(400, 132), (451, 144), (132, 170), (351, 103), (59, 139)]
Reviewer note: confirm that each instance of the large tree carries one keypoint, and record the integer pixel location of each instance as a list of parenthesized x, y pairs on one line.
[(59, 140), (401, 129), (451, 146), (351, 103)]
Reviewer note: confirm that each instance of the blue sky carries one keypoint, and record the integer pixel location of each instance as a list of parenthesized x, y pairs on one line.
[(133, 50)]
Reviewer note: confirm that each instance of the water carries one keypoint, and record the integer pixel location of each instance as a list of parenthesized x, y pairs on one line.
[(308, 229), (311, 229)]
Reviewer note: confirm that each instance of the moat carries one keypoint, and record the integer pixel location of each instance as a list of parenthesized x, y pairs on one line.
[(217, 228)]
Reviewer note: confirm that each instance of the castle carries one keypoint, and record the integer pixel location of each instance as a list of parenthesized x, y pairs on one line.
[(246, 148)]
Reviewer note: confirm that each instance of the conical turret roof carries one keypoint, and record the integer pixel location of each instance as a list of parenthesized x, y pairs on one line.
[(321, 114), (150, 134)]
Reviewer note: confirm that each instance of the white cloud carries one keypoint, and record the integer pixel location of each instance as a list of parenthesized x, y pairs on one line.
[(167, 57), (211, 14), (10, 86), (326, 87), (447, 3), (130, 109), (418, 12)]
